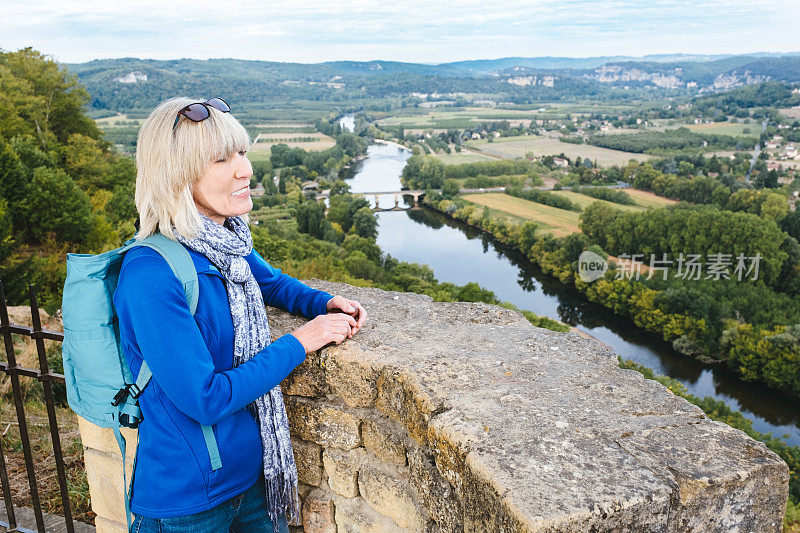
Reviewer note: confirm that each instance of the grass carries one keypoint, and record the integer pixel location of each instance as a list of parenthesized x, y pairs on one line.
[(560, 222), (584, 200), (735, 129), (259, 151), (287, 137), (791, 112), (542, 146), (648, 199), (456, 158), (39, 432), (115, 120), (43, 459)]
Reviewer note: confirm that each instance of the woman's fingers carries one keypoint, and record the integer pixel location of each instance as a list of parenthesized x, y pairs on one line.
[(342, 325), (342, 317), (362, 313)]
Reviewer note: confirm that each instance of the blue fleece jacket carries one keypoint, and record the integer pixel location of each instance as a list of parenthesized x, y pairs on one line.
[(194, 382)]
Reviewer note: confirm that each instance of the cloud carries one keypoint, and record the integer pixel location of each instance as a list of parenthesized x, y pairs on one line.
[(416, 30)]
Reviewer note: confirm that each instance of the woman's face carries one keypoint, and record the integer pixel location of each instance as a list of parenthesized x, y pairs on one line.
[(224, 190)]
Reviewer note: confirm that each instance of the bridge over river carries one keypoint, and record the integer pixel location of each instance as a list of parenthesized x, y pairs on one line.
[(415, 194)]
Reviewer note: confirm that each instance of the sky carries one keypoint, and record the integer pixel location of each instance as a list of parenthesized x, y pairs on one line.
[(310, 31)]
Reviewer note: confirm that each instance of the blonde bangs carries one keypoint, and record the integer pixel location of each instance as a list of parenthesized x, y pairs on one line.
[(168, 163)]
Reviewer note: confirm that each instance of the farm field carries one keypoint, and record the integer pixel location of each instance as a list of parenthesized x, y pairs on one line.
[(117, 120), (260, 148), (560, 222), (735, 129), (288, 137), (791, 112), (542, 146), (648, 199), (465, 156), (583, 200)]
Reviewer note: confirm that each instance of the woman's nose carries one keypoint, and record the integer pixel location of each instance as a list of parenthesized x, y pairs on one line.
[(244, 169)]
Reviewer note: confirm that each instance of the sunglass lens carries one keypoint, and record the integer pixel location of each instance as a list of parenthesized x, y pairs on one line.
[(220, 104), (196, 112)]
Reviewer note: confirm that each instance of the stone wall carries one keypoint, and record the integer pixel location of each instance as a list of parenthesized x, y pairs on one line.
[(463, 416)]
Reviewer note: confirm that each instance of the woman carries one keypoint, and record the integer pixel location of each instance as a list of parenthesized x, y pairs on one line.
[(218, 367)]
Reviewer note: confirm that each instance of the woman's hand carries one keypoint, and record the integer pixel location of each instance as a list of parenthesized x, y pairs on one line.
[(351, 307), (325, 329)]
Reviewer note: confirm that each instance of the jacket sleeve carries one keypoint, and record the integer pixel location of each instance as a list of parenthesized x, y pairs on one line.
[(153, 314), (283, 291)]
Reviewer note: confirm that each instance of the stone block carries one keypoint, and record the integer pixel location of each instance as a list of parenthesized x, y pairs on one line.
[(385, 439), (104, 475), (715, 488), (355, 516), (318, 513), (307, 379), (434, 492), (342, 466), (351, 375), (103, 439), (103, 525), (401, 396), (328, 424), (308, 458), (386, 489)]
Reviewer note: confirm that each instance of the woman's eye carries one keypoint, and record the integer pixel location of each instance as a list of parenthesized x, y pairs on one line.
[(221, 160), (242, 152)]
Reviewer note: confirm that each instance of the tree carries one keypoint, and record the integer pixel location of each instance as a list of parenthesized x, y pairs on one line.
[(55, 203), (6, 232), (450, 188), (49, 98), (365, 223), (13, 183), (339, 187), (423, 172)]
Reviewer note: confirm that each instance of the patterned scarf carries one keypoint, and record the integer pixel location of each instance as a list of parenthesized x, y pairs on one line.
[(226, 249)]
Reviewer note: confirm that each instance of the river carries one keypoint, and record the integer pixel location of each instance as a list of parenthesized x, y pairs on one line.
[(458, 253)]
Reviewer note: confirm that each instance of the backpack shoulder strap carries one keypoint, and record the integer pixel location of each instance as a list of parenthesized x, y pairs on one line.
[(178, 259)]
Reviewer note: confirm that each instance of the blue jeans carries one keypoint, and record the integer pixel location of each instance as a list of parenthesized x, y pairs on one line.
[(246, 513)]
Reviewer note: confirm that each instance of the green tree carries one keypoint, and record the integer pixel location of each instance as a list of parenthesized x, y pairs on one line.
[(55, 203), (450, 188), (365, 223)]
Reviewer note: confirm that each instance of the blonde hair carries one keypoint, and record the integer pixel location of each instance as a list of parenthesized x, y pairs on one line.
[(169, 162)]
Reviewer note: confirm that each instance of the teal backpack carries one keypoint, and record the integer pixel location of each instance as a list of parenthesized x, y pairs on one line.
[(100, 386)]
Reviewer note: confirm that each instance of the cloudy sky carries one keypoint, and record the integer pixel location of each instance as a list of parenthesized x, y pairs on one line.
[(414, 30)]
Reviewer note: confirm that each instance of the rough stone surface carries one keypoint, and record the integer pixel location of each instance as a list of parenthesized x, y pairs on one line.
[(308, 458), (104, 475), (532, 430), (385, 439), (325, 423), (352, 377), (103, 439), (318, 513), (307, 379), (342, 469), (386, 489), (355, 516)]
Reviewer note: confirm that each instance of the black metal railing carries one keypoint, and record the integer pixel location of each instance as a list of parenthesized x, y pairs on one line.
[(47, 379)]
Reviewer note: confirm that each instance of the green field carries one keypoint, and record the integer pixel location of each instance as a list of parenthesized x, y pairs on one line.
[(648, 199), (456, 158), (736, 129), (559, 222), (542, 146), (582, 200), (260, 148)]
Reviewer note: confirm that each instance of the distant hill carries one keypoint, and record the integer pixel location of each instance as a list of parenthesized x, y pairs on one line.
[(131, 83)]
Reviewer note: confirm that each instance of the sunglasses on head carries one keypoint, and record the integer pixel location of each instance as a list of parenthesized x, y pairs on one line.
[(199, 111)]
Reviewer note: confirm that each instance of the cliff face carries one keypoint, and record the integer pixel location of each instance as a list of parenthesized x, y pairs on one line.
[(451, 416)]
